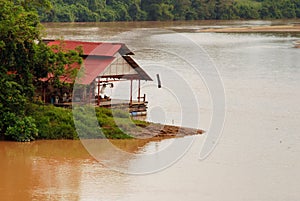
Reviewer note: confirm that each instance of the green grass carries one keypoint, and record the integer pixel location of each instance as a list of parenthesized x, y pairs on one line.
[(58, 123)]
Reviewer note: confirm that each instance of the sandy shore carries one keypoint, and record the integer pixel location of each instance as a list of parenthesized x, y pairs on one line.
[(164, 131), (254, 29)]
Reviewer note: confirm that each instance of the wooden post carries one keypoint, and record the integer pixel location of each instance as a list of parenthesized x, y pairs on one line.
[(98, 102), (90, 92), (139, 91), (130, 93), (158, 81), (84, 94)]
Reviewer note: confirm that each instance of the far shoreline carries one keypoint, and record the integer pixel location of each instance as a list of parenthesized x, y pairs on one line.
[(255, 29)]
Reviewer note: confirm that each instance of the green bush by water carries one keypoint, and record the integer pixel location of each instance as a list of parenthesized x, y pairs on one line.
[(58, 123)]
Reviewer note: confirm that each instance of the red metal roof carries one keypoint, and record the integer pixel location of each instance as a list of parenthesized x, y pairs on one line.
[(90, 48), (93, 66), (97, 57)]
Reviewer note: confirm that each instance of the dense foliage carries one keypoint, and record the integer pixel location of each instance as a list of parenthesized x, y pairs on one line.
[(24, 59), (137, 10)]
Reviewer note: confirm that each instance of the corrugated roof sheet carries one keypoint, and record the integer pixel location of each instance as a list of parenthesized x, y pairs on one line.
[(93, 66), (97, 57), (90, 48)]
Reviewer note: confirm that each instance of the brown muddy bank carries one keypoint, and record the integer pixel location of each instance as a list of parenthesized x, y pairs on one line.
[(154, 130)]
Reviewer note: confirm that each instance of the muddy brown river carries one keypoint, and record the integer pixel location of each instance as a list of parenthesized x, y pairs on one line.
[(256, 157)]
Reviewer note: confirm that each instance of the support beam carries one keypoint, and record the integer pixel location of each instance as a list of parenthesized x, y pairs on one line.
[(98, 85), (130, 93), (91, 87), (84, 94), (139, 90)]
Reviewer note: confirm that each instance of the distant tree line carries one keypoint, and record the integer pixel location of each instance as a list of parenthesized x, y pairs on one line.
[(157, 10)]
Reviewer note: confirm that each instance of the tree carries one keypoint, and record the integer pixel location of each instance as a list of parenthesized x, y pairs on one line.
[(288, 9), (19, 30), (95, 5), (83, 14), (24, 59), (158, 10), (33, 5), (121, 10), (135, 11), (181, 9)]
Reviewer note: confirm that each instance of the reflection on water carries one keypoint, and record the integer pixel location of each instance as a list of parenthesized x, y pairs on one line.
[(41, 170), (58, 170), (64, 170)]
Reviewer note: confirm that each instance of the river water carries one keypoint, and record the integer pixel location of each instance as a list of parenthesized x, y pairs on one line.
[(254, 78)]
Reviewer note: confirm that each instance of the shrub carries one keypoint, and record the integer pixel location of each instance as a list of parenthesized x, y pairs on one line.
[(23, 130), (90, 122), (53, 122)]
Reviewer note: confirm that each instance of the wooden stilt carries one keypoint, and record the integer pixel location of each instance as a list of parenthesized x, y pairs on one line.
[(90, 92), (130, 92), (139, 91), (98, 102), (84, 94)]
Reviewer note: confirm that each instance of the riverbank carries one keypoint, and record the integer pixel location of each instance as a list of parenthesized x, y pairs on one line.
[(61, 123), (154, 130), (255, 29)]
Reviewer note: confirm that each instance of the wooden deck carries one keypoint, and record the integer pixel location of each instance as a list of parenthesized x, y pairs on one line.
[(135, 108)]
